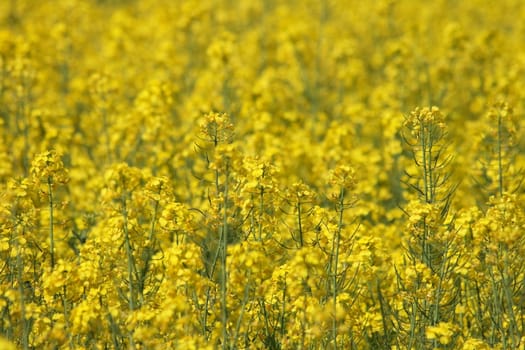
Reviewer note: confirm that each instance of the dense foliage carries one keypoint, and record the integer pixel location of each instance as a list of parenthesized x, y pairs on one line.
[(262, 174)]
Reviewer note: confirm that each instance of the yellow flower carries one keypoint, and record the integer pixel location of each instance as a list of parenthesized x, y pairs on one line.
[(443, 332), (475, 344), (344, 177), (49, 166), (6, 345), (216, 128)]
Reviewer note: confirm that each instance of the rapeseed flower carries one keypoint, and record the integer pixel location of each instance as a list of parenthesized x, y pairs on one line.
[(210, 174)]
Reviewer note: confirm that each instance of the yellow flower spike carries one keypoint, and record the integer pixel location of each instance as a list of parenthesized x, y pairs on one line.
[(343, 176), (216, 128), (49, 165), (158, 188)]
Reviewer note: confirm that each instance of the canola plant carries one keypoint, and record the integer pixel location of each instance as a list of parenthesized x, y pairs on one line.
[(262, 174)]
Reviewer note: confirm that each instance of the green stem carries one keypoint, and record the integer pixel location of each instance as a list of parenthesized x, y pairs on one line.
[(224, 271), (299, 223), (283, 312), (205, 316), (435, 317), (243, 308), (422, 134), (129, 253), (513, 325), (413, 323), (335, 251), (149, 251), (66, 318), (20, 276), (261, 208), (131, 265), (51, 233)]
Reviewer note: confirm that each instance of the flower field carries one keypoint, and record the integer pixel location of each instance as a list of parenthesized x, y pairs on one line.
[(299, 174)]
